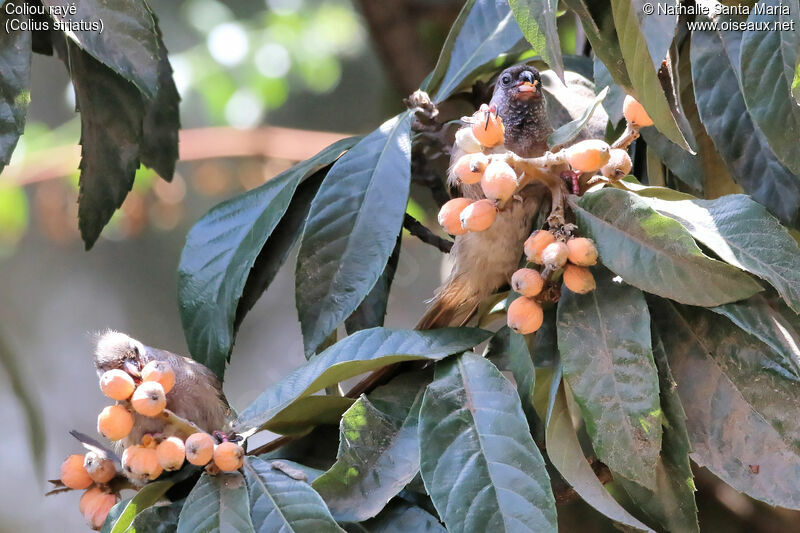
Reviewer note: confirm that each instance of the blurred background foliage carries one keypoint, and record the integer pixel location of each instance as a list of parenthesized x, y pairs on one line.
[(314, 69)]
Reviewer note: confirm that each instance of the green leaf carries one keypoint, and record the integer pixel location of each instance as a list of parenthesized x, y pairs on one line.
[(537, 20), (564, 450), (279, 502), (672, 504), (157, 519), (217, 503), (743, 234), (570, 130), (688, 167), (127, 44), (741, 420), (378, 450), (607, 359), (658, 28), (361, 352), (15, 64), (768, 59), (352, 228), (161, 121), (144, 498), (111, 111), (483, 30), (478, 459), (309, 412), (655, 253), (725, 117), (598, 23), (643, 76), (220, 252), (371, 312), (616, 96), (33, 414), (774, 324), (402, 517), (509, 351), (662, 193)]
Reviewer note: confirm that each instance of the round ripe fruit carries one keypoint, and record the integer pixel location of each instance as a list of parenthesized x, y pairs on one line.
[(582, 251), (578, 279), (535, 245), (141, 462), (95, 505), (634, 112), (117, 384), (524, 315), (199, 449), (466, 140), (161, 372), (115, 422), (499, 181), (73, 473), (449, 215), (618, 166), (527, 281), (469, 168), (228, 456), (100, 469), (478, 216), (171, 453), (149, 399), (555, 255), (589, 155), (487, 128)]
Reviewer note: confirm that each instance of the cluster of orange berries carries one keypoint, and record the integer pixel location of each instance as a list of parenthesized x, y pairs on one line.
[(572, 258), (92, 472)]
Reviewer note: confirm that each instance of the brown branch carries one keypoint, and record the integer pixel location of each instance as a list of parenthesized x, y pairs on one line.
[(420, 231), (195, 144)]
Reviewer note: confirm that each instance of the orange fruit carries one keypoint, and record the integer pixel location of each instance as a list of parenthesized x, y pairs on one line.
[(499, 181), (579, 279), (527, 281), (101, 470), (619, 164), (555, 255), (449, 215), (199, 448), (478, 216), (487, 127), (149, 398), (524, 315), (589, 155), (141, 462), (228, 456), (115, 422), (161, 372), (535, 245), (582, 251), (469, 168), (634, 112), (74, 474), (95, 505), (117, 384), (171, 453)]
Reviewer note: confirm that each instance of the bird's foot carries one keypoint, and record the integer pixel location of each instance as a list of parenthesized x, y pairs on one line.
[(227, 437), (572, 177)]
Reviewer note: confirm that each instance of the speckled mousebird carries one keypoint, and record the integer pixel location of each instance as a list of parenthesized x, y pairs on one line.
[(484, 261)]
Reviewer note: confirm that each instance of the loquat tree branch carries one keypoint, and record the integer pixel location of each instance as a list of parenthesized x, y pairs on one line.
[(420, 231)]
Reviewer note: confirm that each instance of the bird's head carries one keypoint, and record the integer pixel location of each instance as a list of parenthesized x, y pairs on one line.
[(117, 350), (520, 83)]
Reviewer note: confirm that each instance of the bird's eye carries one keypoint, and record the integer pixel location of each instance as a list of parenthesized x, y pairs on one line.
[(506, 79)]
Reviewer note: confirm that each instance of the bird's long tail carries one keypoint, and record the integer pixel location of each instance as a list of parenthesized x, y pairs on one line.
[(454, 303)]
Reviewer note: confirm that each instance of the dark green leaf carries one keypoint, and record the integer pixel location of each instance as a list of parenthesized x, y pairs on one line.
[(371, 312), (113, 514), (279, 502), (401, 517), (15, 64), (688, 167), (725, 117), (662, 193), (361, 352), (127, 44), (217, 503), (615, 97), (598, 23), (220, 252), (157, 519), (607, 359), (352, 228), (483, 30), (24, 393), (146, 497), (570, 130), (309, 412), (742, 233), (657, 28), (537, 20), (162, 119), (378, 450), (768, 59), (672, 505), (509, 351), (643, 76), (775, 325), (564, 450), (741, 420), (478, 459), (655, 253), (111, 132)]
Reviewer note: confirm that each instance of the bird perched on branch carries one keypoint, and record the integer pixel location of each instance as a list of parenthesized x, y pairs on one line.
[(196, 396), (484, 261)]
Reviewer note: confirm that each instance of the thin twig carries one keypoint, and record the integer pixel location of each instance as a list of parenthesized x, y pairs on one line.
[(420, 231)]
